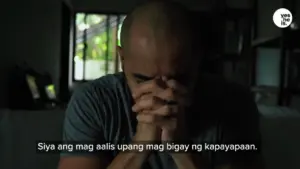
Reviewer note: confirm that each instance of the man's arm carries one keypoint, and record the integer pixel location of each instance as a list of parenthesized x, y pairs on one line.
[(81, 125), (188, 160), (122, 161)]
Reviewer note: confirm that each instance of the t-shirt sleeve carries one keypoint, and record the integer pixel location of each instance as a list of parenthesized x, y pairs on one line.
[(82, 122), (240, 129)]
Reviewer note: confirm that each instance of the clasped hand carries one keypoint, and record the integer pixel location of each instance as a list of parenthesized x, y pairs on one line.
[(161, 103)]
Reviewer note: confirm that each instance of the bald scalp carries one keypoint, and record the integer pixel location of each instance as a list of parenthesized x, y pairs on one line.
[(164, 19)]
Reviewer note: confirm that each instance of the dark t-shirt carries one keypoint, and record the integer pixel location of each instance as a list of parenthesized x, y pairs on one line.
[(224, 113)]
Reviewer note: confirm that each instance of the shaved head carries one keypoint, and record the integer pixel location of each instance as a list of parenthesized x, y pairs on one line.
[(156, 40), (165, 18)]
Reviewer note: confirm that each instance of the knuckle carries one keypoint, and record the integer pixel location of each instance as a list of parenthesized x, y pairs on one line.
[(170, 92), (153, 84), (143, 97), (166, 110), (139, 117), (151, 118), (153, 100), (157, 100), (145, 111), (146, 97), (172, 83)]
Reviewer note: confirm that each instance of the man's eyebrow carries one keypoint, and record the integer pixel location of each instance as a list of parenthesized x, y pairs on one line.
[(142, 77)]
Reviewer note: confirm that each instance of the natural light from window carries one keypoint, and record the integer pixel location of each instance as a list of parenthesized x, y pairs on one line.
[(95, 51)]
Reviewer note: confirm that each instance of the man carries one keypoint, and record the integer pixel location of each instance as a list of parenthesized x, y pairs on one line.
[(160, 97)]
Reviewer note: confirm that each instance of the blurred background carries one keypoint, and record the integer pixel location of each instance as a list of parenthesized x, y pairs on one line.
[(50, 47)]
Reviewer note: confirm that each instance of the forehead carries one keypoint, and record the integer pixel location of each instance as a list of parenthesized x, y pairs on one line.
[(159, 60), (157, 54)]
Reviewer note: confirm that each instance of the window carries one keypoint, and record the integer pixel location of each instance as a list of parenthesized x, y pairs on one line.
[(96, 37)]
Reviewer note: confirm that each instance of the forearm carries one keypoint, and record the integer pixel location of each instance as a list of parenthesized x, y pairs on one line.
[(129, 160), (187, 161)]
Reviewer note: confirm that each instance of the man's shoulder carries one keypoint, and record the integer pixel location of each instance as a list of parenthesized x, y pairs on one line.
[(102, 88), (105, 83)]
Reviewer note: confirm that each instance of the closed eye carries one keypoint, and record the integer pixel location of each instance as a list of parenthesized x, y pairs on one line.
[(142, 78)]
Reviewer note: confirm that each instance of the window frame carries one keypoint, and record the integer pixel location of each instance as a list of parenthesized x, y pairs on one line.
[(73, 40)]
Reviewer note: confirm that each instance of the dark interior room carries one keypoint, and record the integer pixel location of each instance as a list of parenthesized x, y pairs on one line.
[(67, 44)]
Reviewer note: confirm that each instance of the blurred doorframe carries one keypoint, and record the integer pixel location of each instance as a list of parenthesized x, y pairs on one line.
[(66, 26)]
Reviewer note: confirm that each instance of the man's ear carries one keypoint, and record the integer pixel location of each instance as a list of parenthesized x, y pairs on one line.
[(121, 56), (120, 52)]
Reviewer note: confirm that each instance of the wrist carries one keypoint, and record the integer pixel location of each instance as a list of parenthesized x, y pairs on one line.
[(147, 133), (186, 160), (181, 156)]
